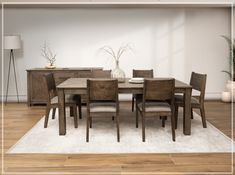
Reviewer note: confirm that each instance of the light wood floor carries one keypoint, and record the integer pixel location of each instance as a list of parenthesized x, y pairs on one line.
[(19, 118)]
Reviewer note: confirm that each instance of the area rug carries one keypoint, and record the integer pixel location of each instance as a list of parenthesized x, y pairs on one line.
[(103, 137)]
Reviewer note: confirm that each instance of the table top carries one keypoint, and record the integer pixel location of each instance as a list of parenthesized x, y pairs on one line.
[(81, 83)]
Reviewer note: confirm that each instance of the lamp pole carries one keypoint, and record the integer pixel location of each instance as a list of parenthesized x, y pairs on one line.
[(9, 70), (12, 42)]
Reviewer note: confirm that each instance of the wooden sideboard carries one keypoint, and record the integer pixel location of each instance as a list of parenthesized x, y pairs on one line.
[(36, 87)]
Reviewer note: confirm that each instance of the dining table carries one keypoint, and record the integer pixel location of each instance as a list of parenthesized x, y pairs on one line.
[(79, 86)]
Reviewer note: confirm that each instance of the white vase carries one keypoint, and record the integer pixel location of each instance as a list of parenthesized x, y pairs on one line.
[(118, 73), (231, 88), (226, 96)]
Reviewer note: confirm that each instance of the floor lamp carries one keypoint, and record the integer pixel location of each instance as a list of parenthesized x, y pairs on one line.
[(12, 43)]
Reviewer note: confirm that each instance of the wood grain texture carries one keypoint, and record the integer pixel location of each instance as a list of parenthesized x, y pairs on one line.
[(79, 86), (35, 82), (19, 118)]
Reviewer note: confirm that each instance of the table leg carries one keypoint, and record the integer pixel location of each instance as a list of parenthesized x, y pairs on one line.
[(62, 119), (187, 111)]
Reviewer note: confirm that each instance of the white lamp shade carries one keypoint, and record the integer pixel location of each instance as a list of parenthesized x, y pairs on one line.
[(12, 42)]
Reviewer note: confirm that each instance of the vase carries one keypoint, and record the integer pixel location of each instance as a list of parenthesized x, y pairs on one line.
[(118, 73), (231, 88), (50, 66), (226, 96)]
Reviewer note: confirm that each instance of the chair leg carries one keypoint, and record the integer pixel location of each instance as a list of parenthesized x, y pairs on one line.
[(53, 113), (47, 116), (118, 132), (136, 116), (133, 103), (163, 121), (202, 111), (176, 116), (112, 117), (173, 127), (90, 122), (87, 127), (80, 110), (71, 111), (143, 127), (75, 116), (191, 113)]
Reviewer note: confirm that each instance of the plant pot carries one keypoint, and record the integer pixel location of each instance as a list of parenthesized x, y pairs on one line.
[(226, 96), (231, 88)]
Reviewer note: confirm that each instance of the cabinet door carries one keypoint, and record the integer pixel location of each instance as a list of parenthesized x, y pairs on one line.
[(38, 87)]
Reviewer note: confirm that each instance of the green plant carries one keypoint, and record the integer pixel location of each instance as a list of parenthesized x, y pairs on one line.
[(231, 71)]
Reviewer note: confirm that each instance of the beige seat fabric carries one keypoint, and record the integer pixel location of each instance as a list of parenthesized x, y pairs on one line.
[(155, 107), (179, 99), (102, 107)]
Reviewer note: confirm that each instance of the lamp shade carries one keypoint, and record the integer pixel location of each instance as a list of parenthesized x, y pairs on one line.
[(12, 42)]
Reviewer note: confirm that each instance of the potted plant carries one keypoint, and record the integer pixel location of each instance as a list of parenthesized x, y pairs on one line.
[(117, 72), (231, 72)]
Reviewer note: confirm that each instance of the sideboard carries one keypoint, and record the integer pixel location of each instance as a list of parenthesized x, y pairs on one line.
[(36, 87)]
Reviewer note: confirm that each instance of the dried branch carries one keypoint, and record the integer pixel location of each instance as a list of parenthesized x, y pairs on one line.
[(109, 50), (47, 53)]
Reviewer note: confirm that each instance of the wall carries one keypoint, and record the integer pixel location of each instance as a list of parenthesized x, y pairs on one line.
[(172, 41)]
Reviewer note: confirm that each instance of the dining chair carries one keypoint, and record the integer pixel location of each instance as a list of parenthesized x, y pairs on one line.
[(102, 101), (101, 74), (158, 100), (52, 100), (198, 82), (138, 97), (140, 74)]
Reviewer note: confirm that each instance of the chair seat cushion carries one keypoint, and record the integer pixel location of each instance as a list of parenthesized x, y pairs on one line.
[(68, 99), (155, 107), (102, 107), (180, 99)]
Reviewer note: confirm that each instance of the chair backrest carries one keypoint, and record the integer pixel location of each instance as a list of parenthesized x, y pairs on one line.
[(159, 89), (102, 90), (198, 82), (143, 73), (101, 74), (51, 86)]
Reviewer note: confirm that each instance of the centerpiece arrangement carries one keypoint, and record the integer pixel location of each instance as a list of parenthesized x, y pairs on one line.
[(47, 53), (117, 72)]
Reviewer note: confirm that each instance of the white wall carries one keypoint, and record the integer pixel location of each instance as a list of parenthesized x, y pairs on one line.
[(172, 41)]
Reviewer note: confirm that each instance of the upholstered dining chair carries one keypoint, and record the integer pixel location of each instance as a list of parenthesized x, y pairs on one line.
[(140, 74), (102, 101), (52, 100), (198, 82), (158, 100), (100, 73)]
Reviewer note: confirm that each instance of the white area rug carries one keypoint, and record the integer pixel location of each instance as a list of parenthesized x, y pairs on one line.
[(103, 137)]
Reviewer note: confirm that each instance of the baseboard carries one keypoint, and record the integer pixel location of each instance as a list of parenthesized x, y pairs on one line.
[(13, 98), (122, 97)]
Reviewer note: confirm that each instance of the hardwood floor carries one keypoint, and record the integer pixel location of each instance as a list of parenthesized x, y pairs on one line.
[(19, 118)]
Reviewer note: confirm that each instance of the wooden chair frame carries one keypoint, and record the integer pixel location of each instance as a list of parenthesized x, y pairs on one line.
[(198, 82), (148, 73), (102, 90), (157, 90), (51, 88)]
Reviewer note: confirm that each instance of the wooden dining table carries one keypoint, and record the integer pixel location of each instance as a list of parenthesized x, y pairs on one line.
[(79, 86)]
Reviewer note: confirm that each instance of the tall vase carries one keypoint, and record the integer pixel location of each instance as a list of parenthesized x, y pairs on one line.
[(118, 73)]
